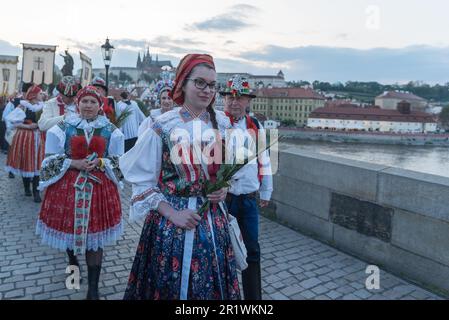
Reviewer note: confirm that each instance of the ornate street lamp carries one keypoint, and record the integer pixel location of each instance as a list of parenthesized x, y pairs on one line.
[(107, 51)]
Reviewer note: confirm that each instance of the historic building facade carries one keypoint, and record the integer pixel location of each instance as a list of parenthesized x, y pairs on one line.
[(282, 104), (401, 120)]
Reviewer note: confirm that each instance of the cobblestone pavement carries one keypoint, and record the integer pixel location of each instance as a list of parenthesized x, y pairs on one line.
[(294, 266)]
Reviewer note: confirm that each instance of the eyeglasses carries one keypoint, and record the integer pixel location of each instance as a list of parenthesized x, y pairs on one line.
[(202, 84)]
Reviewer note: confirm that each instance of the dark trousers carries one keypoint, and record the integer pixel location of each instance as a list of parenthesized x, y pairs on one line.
[(129, 144), (246, 210)]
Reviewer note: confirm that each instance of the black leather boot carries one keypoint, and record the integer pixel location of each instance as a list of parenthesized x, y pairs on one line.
[(251, 281), (73, 261), (93, 275), (26, 185), (36, 193), (11, 175)]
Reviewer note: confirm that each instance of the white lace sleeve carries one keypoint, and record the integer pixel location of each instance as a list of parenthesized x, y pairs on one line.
[(116, 149), (56, 163), (141, 166), (54, 141), (117, 143)]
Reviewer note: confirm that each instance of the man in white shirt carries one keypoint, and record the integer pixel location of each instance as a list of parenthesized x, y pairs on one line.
[(254, 178), (62, 106), (130, 126)]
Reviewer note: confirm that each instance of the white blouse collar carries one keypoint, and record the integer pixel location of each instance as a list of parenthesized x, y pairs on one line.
[(80, 123)]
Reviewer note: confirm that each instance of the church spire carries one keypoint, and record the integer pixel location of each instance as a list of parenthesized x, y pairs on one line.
[(139, 61)]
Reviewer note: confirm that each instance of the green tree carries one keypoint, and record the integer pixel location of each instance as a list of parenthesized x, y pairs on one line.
[(288, 123), (123, 77), (444, 117)]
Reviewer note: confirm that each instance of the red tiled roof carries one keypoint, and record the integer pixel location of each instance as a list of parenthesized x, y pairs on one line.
[(340, 103), (400, 95), (373, 114), (293, 93)]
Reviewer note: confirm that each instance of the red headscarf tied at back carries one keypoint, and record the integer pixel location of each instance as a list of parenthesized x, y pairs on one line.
[(89, 91), (186, 65), (33, 92)]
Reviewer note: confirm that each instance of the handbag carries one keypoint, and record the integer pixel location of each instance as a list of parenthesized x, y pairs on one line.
[(237, 243)]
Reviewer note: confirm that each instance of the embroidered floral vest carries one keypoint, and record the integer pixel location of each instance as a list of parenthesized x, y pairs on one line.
[(76, 146)]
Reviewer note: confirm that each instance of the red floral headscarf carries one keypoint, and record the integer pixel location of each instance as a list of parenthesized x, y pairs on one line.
[(186, 66), (33, 92), (89, 91)]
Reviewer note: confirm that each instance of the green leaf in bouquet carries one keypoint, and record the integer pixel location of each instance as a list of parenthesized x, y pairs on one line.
[(118, 122)]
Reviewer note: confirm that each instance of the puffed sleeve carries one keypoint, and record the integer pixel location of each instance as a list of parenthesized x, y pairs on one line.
[(48, 117), (56, 162), (144, 126), (9, 107), (117, 143), (115, 150), (140, 114), (33, 107), (141, 166)]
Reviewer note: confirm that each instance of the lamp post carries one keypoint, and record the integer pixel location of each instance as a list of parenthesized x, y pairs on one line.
[(107, 51)]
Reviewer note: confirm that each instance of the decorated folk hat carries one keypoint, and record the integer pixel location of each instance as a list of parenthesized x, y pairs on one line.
[(162, 86), (238, 86), (99, 82), (89, 91), (68, 86)]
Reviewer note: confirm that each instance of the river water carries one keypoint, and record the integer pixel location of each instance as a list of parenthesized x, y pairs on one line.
[(427, 159)]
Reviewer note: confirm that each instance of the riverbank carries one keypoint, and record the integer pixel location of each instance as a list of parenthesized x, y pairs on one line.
[(426, 159), (418, 139)]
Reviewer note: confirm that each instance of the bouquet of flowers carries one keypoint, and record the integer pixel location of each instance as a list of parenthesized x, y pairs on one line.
[(225, 174)]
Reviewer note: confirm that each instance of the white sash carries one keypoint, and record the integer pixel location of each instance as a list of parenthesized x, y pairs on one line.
[(187, 258)]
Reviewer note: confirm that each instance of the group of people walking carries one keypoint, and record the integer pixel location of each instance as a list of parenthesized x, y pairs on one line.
[(79, 153)]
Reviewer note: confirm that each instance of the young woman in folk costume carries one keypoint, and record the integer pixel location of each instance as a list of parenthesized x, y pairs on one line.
[(181, 255), (164, 100), (88, 215), (27, 147)]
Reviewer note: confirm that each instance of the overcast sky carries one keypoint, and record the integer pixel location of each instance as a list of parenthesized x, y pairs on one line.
[(328, 40)]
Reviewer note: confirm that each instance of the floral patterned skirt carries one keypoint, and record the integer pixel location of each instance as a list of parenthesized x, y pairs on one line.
[(57, 216), (26, 153), (157, 269)]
